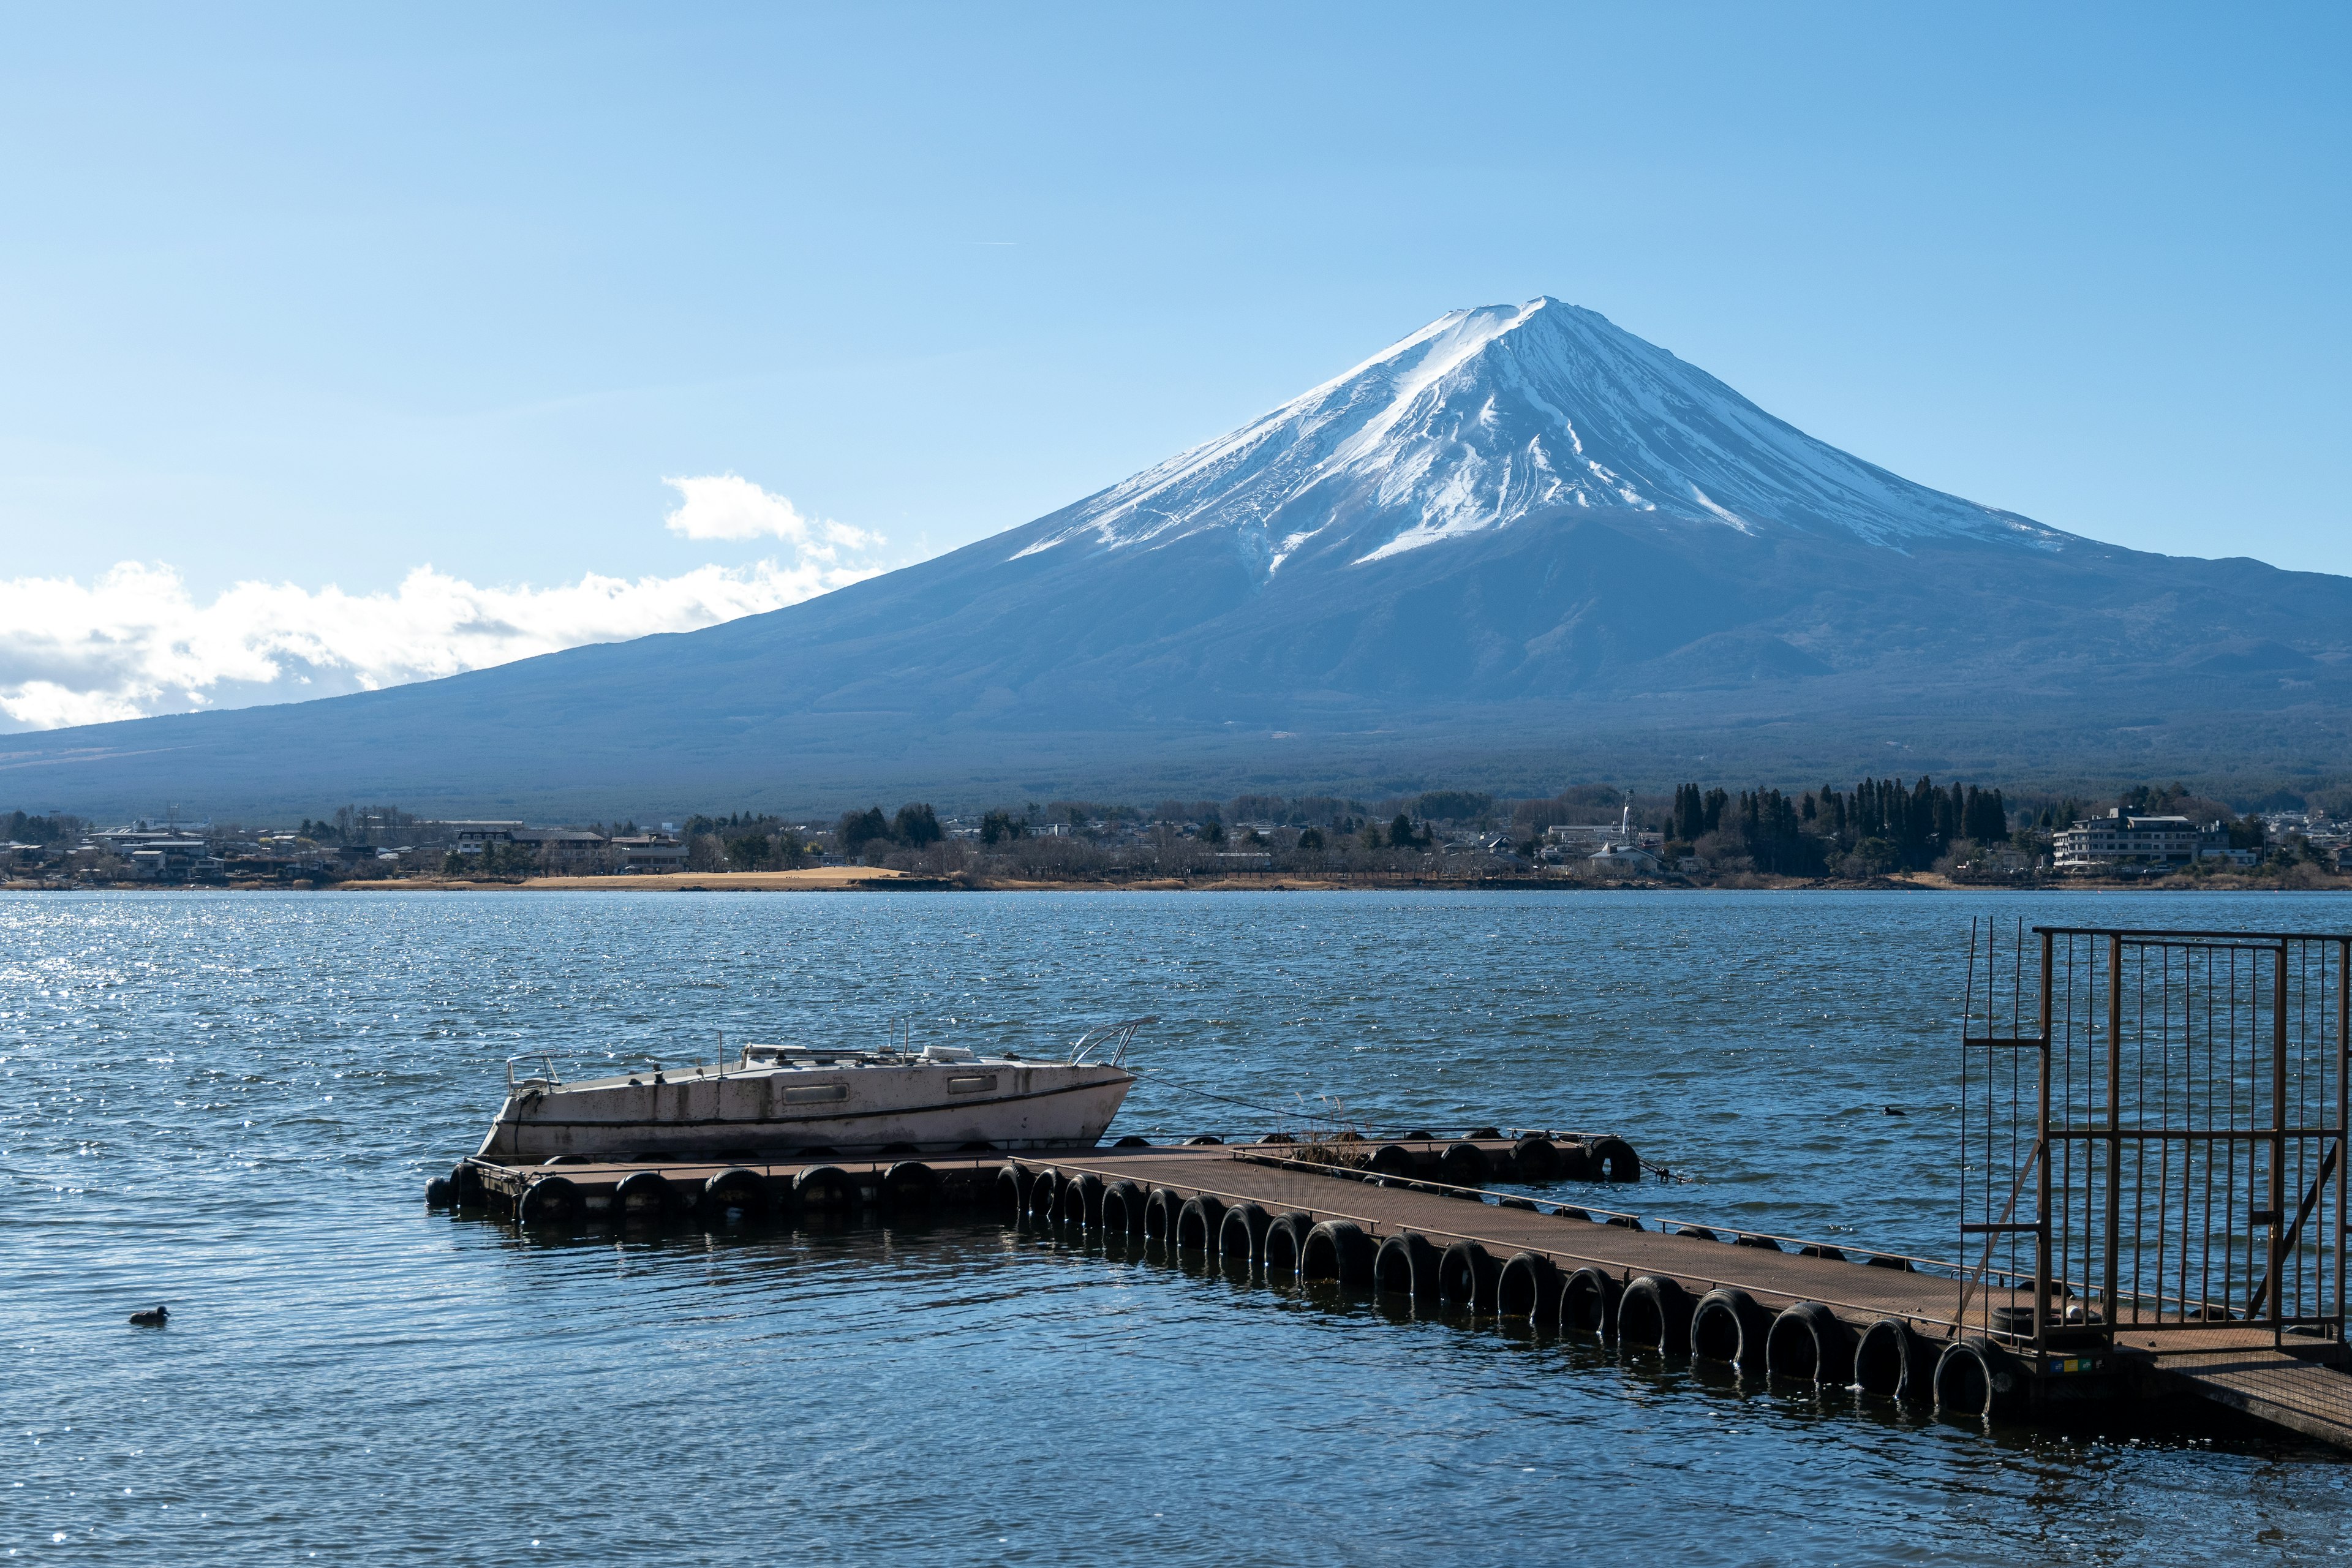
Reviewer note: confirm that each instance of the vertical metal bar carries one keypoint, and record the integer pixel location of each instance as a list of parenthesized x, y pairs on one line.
[(2115, 1121), (2343, 1114), (2304, 1056), (2041, 1171), (2162, 1117), (2278, 1147), (1967, 1010), (2014, 1110)]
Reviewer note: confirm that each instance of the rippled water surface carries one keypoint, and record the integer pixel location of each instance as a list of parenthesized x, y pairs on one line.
[(231, 1103)]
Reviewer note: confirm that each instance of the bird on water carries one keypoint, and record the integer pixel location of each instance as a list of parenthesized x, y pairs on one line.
[(154, 1317)]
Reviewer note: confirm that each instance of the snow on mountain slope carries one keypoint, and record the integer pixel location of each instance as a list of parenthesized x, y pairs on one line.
[(1484, 418)]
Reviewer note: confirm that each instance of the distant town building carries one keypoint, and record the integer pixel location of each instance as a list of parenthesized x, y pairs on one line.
[(563, 850), (472, 837), (174, 859), (1627, 850), (650, 852), (2116, 840)]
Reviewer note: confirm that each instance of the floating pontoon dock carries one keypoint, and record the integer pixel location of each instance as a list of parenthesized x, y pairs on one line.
[(1891, 1325), (2151, 1160)]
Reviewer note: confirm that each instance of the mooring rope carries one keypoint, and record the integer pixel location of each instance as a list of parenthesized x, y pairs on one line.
[(1208, 1094)]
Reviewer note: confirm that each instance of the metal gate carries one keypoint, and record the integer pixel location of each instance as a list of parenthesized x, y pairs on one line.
[(2152, 1136)]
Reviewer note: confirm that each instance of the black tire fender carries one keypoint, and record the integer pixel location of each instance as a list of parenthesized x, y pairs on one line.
[(910, 1186), (1807, 1341), (1337, 1250), (551, 1200), (1468, 1275), (642, 1194), (1587, 1303), (466, 1179), (1975, 1378), (1528, 1287), (738, 1187), (1654, 1313), (1892, 1360), (1241, 1235), (1536, 1158), (1197, 1222), (1464, 1165), (1012, 1191), (824, 1189), (1122, 1208), (1727, 1325), (1159, 1212), (1285, 1244), (1613, 1160), (1080, 1200), (1407, 1264), (1044, 1188)]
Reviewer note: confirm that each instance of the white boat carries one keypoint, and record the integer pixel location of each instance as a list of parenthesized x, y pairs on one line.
[(777, 1100)]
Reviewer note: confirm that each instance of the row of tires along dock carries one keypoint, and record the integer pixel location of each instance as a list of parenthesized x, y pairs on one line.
[(571, 1187), (1775, 1306), (1805, 1340)]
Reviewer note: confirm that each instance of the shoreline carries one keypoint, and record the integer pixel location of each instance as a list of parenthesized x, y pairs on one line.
[(875, 878)]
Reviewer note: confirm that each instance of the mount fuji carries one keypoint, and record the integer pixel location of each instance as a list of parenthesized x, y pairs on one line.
[(1519, 547), (1485, 419)]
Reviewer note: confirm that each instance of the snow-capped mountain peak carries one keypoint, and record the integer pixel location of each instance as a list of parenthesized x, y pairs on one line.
[(1488, 418)]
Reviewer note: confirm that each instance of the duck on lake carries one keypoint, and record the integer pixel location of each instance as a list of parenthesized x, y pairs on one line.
[(154, 1317)]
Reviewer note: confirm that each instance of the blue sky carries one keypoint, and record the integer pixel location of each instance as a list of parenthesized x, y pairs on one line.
[(312, 299)]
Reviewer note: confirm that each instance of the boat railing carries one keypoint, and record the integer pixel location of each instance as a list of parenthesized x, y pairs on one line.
[(543, 1078), (1115, 1036)]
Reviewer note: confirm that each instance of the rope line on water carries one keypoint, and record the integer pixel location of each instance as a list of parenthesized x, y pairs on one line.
[(1208, 1094)]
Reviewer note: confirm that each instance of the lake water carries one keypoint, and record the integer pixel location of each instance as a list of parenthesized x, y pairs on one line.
[(232, 1102)]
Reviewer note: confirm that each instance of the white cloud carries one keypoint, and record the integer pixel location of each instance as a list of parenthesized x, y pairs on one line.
[(729, 506), (135, 641)]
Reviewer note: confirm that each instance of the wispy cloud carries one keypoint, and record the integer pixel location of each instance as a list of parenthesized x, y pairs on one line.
[(134, 641)]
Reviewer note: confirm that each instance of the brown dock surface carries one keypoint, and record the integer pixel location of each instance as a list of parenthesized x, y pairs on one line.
[(1856, 1292), (2268, 1384)]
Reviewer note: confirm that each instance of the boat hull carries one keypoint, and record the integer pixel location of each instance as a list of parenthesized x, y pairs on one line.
[(859, 1110)]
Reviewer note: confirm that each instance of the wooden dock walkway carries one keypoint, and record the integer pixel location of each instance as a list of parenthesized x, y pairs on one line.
[(1861, 1291)]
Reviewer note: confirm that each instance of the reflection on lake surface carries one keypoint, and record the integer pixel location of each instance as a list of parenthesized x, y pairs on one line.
[(231, 1103)]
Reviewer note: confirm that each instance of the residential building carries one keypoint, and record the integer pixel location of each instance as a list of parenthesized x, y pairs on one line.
[(471, 837), (174, 859), (565, 851), (650, 852), (2117, 840), (1626, 858)]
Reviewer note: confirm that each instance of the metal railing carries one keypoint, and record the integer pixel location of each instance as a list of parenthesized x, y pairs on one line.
[(544, 1078), (1117, 1036), (2153, 1130)]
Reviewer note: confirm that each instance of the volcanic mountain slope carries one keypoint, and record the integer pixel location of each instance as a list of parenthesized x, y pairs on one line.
[(1519, 546)]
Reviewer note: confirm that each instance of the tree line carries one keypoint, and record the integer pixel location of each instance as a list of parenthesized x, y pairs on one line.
[(1887, 826)]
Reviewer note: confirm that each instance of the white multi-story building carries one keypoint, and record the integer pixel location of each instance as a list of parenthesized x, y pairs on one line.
[(2116, 839)]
